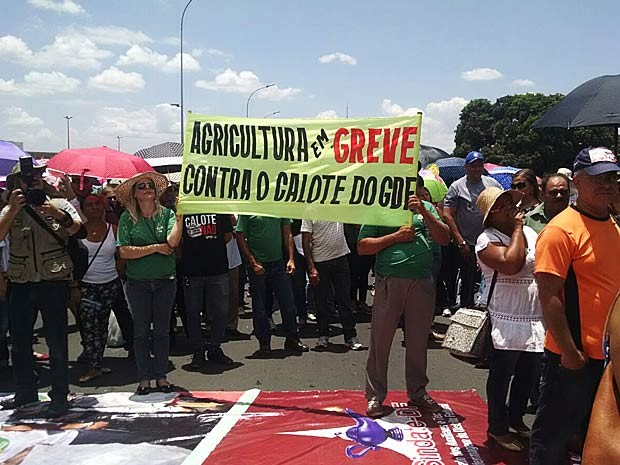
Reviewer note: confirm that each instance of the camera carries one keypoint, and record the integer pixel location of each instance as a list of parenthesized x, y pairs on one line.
[(34, 196)]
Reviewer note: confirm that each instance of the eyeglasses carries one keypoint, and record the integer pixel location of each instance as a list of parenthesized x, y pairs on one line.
[(518, 185), (141, 186)]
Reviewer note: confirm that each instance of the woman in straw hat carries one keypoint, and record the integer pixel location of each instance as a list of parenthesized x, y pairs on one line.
[(147, 236), (517, 329)]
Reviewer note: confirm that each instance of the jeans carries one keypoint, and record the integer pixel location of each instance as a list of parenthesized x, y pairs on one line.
[(198, 291), (566, 398), (359, 267), (232, 321), (299, 286), (469, 276), (151, 303), (276, 279), (4, 329), (523, 368), (50, 297), (334, 274)]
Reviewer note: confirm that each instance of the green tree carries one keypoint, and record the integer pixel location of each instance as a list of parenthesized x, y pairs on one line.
[(503, 132)]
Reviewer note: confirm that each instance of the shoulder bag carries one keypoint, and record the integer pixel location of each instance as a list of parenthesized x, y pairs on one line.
[(469, 335)]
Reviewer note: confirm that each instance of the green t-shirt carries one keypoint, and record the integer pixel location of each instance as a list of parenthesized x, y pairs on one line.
[(148, 231), (410, 260), (264, 236)]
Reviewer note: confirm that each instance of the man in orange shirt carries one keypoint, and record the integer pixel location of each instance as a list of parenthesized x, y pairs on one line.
[(577, 269)]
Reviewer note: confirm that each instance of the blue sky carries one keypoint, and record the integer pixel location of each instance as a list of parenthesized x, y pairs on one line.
[(114, 66)]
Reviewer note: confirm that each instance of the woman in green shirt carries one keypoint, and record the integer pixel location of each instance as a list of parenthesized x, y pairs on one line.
[(147, 236)]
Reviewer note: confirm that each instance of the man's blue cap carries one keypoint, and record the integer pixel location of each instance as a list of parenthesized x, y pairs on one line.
[(472, 157), (595, 161)]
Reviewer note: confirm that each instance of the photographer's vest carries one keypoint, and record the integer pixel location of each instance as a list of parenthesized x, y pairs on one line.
[(34, 254)]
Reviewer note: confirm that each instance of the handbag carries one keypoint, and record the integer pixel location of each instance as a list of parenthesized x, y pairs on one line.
[(601, 445), (469, 335)]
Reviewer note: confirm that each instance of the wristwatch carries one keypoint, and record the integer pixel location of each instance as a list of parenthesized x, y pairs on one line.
[(462, 244)]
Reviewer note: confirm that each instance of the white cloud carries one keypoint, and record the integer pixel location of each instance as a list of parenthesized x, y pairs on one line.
[(245, 82), (144, 56), (69, 49), (115, 35), (36, 83), (328, 114), (140, 127), (439, 120), (117, 81), (338, 56), (481, 74), (61, 6), (18, 117), (523, 83)]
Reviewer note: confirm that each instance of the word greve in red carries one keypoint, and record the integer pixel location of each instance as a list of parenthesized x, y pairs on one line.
[(357, 145)]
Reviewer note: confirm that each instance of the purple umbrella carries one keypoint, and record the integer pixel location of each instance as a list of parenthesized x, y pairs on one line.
[(9, 156)]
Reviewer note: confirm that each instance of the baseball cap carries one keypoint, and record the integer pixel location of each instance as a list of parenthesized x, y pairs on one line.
[(473, 156), (595, 161)]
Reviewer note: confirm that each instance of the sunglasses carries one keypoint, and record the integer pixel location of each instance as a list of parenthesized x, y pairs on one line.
[(141, 186), (518, 185)]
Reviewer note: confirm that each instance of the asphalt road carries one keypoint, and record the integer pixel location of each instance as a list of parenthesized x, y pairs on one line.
[(334, 368)]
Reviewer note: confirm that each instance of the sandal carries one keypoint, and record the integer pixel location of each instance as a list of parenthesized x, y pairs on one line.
[(507, 441), (91, 374)]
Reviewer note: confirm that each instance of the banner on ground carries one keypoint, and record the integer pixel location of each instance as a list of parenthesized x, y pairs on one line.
[(348, 170)]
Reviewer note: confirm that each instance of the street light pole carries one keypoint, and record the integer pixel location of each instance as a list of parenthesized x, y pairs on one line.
[(119, 143), (68, 137), (271, 114), (247, 104), (182, 112)]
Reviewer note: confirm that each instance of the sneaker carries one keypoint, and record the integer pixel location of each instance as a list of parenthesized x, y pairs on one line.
[(374, 409), (354, 344), (322, 342), (426, 403), (218, 356), (198, 359), (447, 313)]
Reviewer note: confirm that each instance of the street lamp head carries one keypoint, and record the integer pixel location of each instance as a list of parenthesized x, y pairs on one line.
[(270, 85)]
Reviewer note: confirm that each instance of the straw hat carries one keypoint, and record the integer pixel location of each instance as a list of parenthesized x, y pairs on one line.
[(125, 189), (489, 196)]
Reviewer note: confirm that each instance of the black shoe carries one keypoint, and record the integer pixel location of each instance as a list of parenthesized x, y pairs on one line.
[(198, 360), (264, 349), (295, 345), (12, 404), (166, 388), (143, 390), (219, 357), (57, 409)]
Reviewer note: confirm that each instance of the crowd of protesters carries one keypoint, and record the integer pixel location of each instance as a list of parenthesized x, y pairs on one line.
[(549, 263)]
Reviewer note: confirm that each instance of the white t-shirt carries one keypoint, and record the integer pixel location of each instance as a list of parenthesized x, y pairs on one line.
[(328, 240), (516, 315), (103, 269)]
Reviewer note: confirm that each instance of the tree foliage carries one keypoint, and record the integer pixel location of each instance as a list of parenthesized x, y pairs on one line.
[(503, 132)]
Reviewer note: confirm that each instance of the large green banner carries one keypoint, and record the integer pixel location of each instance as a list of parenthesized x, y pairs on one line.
[(349, 170)]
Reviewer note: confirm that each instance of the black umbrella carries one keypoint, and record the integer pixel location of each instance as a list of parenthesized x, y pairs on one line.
[(594, 103), (430, 154)]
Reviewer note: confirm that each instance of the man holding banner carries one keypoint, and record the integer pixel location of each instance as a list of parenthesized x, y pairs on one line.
[(404, 287)]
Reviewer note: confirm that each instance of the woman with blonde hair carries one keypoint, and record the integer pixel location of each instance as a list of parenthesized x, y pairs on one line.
[(147, 236)]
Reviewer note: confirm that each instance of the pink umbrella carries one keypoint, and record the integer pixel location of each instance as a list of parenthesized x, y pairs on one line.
[(98, 162)]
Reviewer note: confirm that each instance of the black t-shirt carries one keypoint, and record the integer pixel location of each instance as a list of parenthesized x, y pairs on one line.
[(204, 247)]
